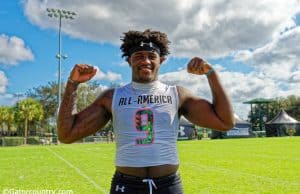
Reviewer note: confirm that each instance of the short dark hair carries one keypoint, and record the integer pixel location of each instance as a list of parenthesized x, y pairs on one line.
[(134, 38)]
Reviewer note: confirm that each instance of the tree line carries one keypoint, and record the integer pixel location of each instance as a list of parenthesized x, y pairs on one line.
[(36, 114)]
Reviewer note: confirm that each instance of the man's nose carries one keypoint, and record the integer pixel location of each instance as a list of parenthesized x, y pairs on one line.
[(146, 60)]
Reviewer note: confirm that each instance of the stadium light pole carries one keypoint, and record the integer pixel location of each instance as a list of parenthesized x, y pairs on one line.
[(60, 14)]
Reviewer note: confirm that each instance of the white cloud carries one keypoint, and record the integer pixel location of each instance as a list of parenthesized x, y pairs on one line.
[(295, 77), (262, 34), (10, 99), (239, 86), (279, 59), (110, 76), (209, 28), (13, 50), (281, 49), (6, 100), (3, 82)]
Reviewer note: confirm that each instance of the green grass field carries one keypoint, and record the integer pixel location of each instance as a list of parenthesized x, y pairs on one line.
[(261, 165)]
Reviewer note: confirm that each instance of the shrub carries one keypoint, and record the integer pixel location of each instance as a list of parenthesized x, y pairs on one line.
[(12, 141), (33, 140), (291, 131)]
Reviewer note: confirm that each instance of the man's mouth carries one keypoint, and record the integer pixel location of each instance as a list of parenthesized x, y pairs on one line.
[(145, 68)]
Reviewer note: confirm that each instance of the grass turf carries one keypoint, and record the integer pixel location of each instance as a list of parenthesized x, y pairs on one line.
[(260, 165)]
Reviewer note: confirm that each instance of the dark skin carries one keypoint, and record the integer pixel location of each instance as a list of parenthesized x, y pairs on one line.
[(144, 65)]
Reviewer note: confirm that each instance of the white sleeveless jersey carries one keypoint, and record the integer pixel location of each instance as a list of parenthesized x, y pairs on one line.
[(145, 122)]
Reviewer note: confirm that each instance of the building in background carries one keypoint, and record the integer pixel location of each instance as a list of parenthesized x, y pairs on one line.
[(241, 129), (282, 125), (187, 130)]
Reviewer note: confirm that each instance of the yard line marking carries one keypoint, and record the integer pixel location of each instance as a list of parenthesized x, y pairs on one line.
[(90, 180), (228, 171)]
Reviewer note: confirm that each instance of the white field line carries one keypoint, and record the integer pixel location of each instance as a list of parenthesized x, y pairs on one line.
[(90, 180), (228, 171)]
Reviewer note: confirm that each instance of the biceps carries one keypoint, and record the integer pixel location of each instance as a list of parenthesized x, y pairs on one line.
[(201, 113), (90, 120)]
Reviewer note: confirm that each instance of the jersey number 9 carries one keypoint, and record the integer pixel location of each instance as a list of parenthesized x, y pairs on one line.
[(144, 122)]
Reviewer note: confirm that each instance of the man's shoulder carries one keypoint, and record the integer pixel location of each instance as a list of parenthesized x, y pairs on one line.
[(105, 99), (109, 93), (184, 94), (182, 90), (162, 84), (122, 87), (106, 96)]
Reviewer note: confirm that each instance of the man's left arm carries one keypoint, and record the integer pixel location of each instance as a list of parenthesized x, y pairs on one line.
[(216, 115)]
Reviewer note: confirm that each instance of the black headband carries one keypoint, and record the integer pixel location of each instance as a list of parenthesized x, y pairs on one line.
[(145, 46)]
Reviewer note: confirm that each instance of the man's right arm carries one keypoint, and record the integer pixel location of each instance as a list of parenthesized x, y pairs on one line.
[(73, 126)]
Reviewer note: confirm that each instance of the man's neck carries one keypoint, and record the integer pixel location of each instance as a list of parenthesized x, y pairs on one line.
[(148, 85)]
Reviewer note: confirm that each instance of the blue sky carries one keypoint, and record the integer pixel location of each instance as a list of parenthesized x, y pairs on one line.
[(253, 44)]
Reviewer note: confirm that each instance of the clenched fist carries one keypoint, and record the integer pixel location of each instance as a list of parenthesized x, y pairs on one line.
[(198, 66), (82, 73)]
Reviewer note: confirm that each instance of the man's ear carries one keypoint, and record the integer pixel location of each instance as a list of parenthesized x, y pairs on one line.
[(128, 60), (162, 59)]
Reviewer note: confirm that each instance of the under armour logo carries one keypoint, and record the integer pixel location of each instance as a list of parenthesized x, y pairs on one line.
[(122, 189), (147, 44), (181, 131)]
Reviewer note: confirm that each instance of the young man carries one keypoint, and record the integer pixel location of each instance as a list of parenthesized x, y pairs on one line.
[(145, 115)]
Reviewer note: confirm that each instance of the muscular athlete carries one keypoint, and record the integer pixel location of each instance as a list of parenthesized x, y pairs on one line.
[(145, 52)]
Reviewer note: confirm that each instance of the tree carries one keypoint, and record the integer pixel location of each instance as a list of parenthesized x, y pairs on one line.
[(29, 110), (85, 96), (294, 106), (47, 96), (7, 117), (290, 104), (2, 117)]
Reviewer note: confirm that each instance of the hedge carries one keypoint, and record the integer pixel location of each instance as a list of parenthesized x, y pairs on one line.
[(16, 141), (12, 141)]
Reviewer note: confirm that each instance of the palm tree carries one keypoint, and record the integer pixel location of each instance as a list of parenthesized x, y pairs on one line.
[(10, 118), (3, 113), (29, 110)]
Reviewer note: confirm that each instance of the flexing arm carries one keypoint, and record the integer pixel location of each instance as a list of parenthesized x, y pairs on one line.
[(74, 126), (219, 114)]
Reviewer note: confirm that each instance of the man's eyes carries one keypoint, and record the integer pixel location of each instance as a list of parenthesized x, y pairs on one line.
[(142, 57), (152, 56)]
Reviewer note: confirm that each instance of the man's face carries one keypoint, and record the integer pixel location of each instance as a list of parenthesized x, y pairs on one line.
[(145, 66)]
